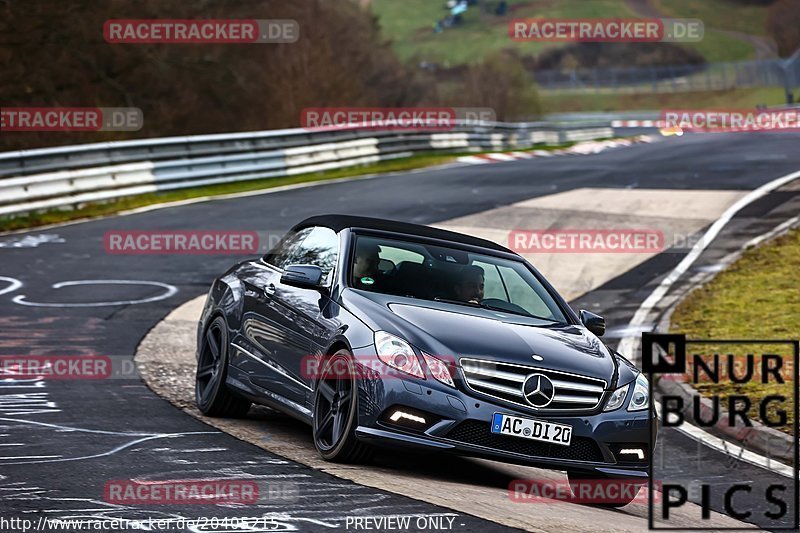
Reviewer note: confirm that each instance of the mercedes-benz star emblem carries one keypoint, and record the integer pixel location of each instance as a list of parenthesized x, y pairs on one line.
[(538, 390)]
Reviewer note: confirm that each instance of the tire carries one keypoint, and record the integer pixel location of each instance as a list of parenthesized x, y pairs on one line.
[(212, 396), (336, 412), (629, 491)]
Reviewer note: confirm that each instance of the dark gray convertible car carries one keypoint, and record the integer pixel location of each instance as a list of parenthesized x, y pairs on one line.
[(382, 333)]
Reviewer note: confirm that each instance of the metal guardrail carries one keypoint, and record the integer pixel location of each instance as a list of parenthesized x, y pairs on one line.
[(71, 176), (676, 78)]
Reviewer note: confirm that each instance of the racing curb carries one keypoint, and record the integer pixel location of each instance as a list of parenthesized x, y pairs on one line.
[(757, 437)]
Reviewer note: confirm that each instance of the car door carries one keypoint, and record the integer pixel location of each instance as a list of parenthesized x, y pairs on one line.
[(264, 325), (303, 308), (293, 316)]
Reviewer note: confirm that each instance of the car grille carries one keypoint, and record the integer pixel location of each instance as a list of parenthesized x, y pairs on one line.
[(504, 381), (478, 433)]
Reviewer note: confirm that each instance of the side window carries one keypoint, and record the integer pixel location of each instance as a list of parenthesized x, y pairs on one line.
[(320, 247), (278, 256), (492, 284), (399, 255)]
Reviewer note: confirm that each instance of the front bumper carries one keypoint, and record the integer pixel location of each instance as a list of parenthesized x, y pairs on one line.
[(459, 422)]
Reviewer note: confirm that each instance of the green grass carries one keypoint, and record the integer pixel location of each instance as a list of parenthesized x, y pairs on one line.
[(409, 24), (562, 102), (755, 298), (720, 14), (719, 47)]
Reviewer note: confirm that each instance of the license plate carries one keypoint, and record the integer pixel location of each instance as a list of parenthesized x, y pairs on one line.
[(528, 428)]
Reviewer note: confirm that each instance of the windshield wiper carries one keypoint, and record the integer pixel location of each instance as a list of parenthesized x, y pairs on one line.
[(494, 308), (457, 302)]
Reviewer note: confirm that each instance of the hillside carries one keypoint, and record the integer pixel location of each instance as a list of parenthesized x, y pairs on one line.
[(735, 29)]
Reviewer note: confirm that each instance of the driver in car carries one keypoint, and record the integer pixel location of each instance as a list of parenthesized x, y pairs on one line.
[(365, 267), (469, 286)]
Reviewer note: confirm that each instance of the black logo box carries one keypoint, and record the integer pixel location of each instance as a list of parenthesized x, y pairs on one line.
[(672, 344)]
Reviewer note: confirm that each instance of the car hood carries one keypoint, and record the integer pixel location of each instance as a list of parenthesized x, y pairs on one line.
[(455, 331)]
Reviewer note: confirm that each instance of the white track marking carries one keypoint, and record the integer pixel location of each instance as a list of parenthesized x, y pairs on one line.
[(473, 160), (629, 345), (722, 445), (14, 284), (31, 241), (169, 290), (501, 157), (694, 432)]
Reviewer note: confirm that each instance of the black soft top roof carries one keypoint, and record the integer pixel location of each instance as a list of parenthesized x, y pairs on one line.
[(340, 222)]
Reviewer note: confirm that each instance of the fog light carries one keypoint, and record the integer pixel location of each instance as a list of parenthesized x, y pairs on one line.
[(408, 418), (631, 452), (638, 452), (397, 415)]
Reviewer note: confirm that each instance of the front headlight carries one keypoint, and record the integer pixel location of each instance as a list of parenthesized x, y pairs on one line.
[(641, 394), (397, 353), (617, 398)]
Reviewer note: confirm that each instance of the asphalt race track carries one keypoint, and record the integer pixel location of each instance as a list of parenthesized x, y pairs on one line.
[(62, 441)]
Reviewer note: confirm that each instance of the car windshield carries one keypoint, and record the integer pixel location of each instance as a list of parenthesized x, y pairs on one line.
[(451, 275)]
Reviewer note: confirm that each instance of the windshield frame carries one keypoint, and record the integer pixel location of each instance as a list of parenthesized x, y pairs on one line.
[(351, 234)]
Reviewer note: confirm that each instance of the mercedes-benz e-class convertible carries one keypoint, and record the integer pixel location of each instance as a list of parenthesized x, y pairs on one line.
[(382, 333)]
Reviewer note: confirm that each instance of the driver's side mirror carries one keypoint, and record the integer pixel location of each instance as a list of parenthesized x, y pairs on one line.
[(594, 323), (303, 276)]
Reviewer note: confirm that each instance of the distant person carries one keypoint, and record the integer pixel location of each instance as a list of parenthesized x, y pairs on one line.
[(457, 11), (501, 9), (469, 286)]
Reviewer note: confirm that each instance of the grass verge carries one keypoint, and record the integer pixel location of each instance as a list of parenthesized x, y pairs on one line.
[(720, 14), (409, 25), (758, 297)]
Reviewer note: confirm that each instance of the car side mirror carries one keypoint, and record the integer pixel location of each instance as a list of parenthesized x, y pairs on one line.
[(594, 323), (303, 276)]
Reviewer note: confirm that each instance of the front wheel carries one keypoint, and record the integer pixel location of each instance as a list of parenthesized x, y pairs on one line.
[(212, 396), (336, 411), (613, 493)]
